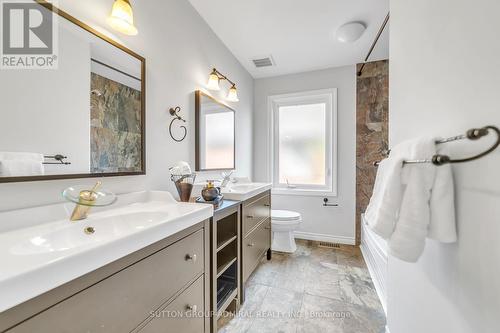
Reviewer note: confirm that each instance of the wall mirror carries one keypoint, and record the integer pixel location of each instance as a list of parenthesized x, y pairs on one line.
[(215, 134), (85, 118)]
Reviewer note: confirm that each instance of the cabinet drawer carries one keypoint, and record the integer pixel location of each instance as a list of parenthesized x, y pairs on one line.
[(184, 314), (254, 245), (255, 212), (122, 301)]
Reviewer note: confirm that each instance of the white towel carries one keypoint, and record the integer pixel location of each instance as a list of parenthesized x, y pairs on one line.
[(383, 209), (21, 164), (408, 240), (381, 213), (412, 202), (443, 223), (21, 156)]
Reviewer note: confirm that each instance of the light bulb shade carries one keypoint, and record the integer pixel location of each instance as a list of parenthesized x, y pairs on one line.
[(232, 95), (350, 32), (213, 82), (122, 18)]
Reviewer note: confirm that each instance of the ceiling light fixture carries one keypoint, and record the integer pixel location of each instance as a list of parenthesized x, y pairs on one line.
[(213, 84), (350, 32), (122, 18)]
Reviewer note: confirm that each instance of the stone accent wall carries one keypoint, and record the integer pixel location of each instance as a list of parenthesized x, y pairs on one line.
[(115, 127), (372, 139)]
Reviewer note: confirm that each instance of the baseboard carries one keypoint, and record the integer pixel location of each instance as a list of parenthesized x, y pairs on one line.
[(325, 238)]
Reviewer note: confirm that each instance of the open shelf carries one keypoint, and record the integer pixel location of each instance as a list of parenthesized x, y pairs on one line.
[(223, 268), (226, 243), (227, 256), (227, 229), (227, 286)]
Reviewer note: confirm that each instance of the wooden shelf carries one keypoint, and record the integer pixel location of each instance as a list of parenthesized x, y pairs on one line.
[(226, 304), (223, 244), (222, 269)]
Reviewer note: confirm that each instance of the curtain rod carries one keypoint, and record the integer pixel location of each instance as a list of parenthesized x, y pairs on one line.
[(379, 33)]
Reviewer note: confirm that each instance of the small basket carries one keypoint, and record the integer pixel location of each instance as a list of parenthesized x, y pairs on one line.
[(184, 185)]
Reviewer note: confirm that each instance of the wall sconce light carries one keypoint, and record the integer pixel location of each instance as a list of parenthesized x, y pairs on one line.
[(213, 84), (122, 18)]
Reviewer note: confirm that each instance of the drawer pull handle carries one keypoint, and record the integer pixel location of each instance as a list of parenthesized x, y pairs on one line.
[(267, 205), (191, 308), (192, 257), (250, 216), (267, 228), (251, 244)]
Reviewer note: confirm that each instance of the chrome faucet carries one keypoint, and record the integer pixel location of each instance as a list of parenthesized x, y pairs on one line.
[(226, 177)]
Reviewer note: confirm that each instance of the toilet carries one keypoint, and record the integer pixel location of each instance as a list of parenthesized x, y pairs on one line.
[(283, 224)]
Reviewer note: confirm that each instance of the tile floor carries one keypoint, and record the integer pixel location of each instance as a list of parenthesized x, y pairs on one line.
[(313, 290)]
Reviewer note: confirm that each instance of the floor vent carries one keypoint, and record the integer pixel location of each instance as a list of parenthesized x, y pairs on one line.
[(263, 62), (329, 245)]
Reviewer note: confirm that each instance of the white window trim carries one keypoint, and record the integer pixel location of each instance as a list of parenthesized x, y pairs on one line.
[(274, 102)]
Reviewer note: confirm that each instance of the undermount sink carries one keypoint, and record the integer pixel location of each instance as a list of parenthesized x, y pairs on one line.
[(43, 245), (244, 191)]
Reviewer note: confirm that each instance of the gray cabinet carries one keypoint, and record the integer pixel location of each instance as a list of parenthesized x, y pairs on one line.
[(185, 314), (167, 275), (256, 233)]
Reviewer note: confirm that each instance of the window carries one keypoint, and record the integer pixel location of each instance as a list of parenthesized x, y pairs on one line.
[(304, 142)]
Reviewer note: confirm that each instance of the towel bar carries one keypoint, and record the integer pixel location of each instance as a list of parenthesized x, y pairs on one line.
[(472, 134), (59, 158)]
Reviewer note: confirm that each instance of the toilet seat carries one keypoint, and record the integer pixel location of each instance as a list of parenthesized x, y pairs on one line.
[(284, 215)]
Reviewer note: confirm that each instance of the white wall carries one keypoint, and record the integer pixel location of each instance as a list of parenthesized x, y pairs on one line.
[(444, 79), (324, 223), (180, 50)]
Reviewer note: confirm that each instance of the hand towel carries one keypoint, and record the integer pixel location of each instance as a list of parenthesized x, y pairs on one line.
[(13, 164), (19, 168), (383, 209), (408, 239), (21, 156), (442, 204)]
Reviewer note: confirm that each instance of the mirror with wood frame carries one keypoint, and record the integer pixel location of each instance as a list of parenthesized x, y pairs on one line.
[(215, 134), (83, 118)]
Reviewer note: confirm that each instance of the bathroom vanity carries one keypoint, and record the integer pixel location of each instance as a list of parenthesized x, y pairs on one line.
[(145, 269)]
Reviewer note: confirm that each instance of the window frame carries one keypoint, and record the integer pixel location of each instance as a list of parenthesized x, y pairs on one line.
[(327, 96)]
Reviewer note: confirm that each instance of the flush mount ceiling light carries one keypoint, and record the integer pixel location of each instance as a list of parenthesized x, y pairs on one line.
[(350, 32), (122, 18), (213, 84)]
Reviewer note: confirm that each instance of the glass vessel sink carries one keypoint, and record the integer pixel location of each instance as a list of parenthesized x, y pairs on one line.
[(84, 196)]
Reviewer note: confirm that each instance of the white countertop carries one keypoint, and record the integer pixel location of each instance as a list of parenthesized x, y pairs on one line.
[(35, 258), (244, 191)]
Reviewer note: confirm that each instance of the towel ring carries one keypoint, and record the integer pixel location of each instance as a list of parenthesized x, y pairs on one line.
[(175, 113)]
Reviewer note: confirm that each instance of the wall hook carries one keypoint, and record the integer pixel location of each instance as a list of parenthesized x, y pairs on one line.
[(175, 113)]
